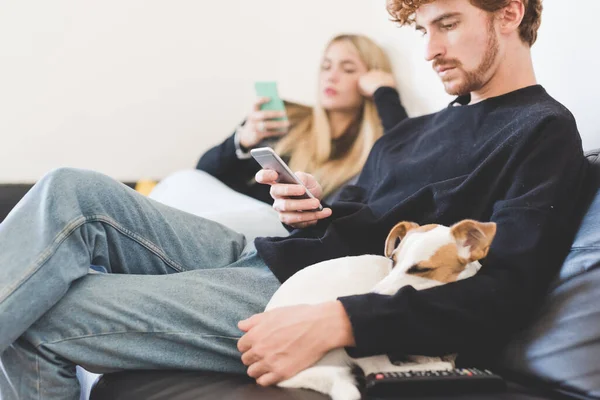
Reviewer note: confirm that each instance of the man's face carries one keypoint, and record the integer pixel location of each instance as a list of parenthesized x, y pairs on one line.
[(462, 43)]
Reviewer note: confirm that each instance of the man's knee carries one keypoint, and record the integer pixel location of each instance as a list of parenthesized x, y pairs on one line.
[(66, 175), (70, 181)]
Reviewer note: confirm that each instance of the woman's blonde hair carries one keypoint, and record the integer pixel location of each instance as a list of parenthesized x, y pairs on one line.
[(308, 144)]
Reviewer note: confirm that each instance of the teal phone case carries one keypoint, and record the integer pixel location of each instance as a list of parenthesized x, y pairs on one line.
[(269, 89)]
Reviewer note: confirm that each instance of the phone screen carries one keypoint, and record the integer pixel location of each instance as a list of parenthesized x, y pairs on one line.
[(269, 89), (268, 159)]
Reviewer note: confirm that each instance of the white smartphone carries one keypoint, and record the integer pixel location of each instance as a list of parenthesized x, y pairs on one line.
[(268, 159)]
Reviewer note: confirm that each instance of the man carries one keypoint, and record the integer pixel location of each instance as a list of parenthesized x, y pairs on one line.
[(504, 151)]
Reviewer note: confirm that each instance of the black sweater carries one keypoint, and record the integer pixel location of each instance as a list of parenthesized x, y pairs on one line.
[(515, 159), (222, 162)]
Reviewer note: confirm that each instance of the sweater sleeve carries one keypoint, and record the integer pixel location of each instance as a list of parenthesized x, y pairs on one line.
[(535, 227), (222, 163), (390, 109)]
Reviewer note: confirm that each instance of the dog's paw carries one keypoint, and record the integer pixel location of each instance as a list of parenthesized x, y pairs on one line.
[(344, 390), (386, 288)]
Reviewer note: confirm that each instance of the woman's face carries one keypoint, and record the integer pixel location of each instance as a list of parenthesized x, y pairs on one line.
[(338, 79)]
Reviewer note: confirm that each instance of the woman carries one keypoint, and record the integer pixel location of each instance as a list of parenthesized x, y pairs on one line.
[(331, 141)]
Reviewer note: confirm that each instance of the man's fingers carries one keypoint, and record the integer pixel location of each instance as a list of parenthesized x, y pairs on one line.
[(302, 225), (269, 379), (304, 177), (286, 190), (257, 369), (306, 217), (249, 323), (266, 176), (290, 205), (244, 344), (250, 357)]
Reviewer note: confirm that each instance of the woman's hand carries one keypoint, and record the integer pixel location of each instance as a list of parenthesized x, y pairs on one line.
[(298, 213), (373, 80), (260, 125)]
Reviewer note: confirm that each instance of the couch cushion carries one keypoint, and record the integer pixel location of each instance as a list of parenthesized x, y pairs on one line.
[(562, 346), (180, 385)]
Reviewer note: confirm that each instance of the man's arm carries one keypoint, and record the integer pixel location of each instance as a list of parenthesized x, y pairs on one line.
[(534, 228), (282, 342)]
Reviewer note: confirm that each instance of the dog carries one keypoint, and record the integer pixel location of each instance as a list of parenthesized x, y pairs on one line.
[(419, 256)]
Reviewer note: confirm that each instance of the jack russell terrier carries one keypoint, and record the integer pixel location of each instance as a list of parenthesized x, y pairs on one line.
[(426, 256)]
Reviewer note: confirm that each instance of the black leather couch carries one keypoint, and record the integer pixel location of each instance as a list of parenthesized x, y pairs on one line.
[(557, 357)]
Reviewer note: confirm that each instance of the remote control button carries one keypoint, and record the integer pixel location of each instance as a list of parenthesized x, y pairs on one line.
[(379, 376)]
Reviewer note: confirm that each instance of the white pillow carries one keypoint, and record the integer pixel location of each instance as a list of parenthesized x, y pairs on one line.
[(199, 193)]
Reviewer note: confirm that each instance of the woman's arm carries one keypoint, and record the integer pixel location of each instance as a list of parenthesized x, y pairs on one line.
[(381, 87), (390, 109), (231, 163), (234, 169)]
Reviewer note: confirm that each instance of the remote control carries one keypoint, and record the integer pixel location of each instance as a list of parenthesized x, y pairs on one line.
[(459, 380)]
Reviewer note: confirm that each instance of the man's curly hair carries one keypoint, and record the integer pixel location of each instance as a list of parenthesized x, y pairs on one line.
[(403, 12)]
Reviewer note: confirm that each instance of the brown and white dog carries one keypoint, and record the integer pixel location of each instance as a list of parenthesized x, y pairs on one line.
[(426, 256)]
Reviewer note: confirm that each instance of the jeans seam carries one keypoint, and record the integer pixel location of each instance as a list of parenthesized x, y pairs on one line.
[(37, 346), (140, 240), (39, 377), (68, 230), (45, 255)]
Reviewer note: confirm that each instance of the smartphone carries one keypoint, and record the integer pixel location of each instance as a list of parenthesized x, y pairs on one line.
[(268, 159), (269, 89)]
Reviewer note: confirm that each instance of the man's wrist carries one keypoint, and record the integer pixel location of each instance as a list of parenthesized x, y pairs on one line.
[(342, 328)]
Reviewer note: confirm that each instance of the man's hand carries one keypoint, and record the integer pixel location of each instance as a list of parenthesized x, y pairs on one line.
[(373, 80), (293, 212), (282, 342)]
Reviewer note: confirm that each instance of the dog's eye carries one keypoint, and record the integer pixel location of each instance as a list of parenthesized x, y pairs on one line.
[(417, 269)]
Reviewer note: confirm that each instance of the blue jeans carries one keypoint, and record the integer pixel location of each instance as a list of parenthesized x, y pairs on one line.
[(176, 287)]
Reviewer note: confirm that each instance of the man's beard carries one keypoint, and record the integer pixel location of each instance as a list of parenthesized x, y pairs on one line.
[(474, 80)]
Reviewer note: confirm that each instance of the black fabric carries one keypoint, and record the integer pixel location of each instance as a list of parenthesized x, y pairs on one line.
[(515, 159), (389, 108), (179, 385), (10, 194), (562, 345), (222, 162)]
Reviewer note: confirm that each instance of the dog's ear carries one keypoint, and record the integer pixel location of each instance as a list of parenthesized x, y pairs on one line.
[(399, 231), (477, 236)]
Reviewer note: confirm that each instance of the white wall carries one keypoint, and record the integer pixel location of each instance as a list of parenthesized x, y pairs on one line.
[(140, 88)]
